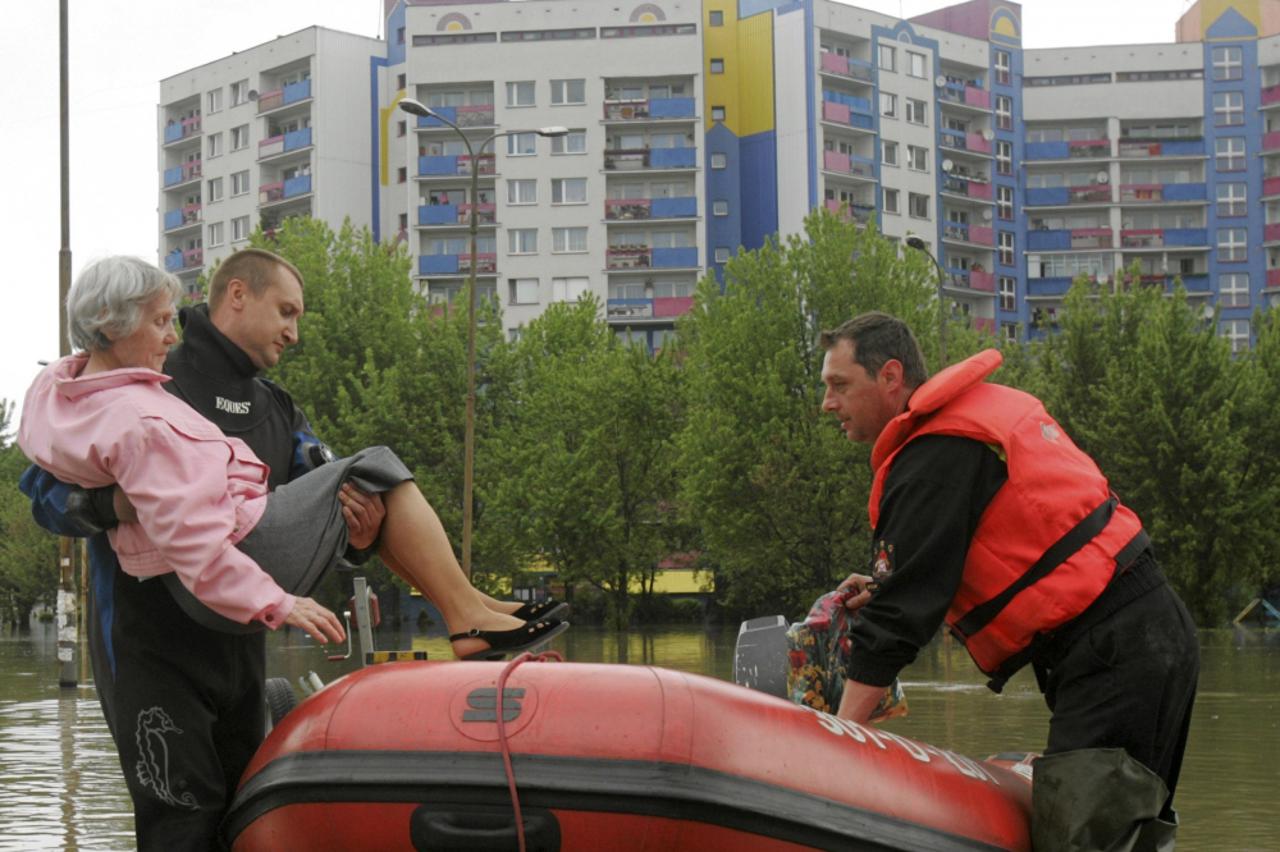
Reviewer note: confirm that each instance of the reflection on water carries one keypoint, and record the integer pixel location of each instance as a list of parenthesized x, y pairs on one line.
[(62, 787)]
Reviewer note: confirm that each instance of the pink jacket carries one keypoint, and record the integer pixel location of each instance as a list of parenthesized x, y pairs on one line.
[(196, 491)]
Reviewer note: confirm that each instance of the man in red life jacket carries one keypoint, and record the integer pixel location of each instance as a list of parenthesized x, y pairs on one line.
[(987, 517)]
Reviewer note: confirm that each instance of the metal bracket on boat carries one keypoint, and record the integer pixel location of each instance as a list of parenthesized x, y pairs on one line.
[(364, 618), (333, 658)]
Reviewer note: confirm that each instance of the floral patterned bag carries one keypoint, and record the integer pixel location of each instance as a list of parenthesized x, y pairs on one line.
[(818, 656)]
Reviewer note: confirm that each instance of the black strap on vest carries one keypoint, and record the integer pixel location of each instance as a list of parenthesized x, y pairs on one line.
[(1060, 551)]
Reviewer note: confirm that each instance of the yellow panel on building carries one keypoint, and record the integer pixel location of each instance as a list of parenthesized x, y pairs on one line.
[(745, 88)]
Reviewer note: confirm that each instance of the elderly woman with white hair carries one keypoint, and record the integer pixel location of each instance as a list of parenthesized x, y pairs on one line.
[(204, 514)]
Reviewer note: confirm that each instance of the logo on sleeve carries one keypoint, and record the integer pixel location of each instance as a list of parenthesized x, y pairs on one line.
[(882, 565), (231, 406)]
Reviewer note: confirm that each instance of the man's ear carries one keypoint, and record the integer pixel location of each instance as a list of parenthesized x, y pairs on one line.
[(891, 374), (237, 294)]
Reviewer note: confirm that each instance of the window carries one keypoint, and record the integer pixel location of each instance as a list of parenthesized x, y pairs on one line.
[(402, 174), (568, 34), (239, 183), (1237, 331), (916, 65), (888, 58), (522, 144), (1228, 154), (239, 229), (717, 66), (1228, 109), (522, 241), (915, 111), (888, 152), (891, 201), (520, 94), (568, 239), (1004, 75), (214, 192), (1233, 290), (1228, 63), (917, 158), (888, 105), (918, 205), (1232, 244), (568, 91), (239, 92), (425, 40), (401, 128), (573, 142), (1009, 332), (722, 254), (1004, 203), (1231, 199), (215, 145), (569, 289), (1004, 158), (400, 82), (215, 234), (568, 190), (400, 40), (715, 19), (719, 208), (1008, 293), (719, 160), (522, 291), (213, 100), (240, 137), (522, 191), (1004, 112), (1005, 241), (717, 113)]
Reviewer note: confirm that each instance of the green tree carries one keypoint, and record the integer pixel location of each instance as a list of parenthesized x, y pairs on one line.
[(28, 554)]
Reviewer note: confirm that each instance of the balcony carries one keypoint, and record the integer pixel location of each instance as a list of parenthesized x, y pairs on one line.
[(1056, 196), (972, 142), (1273, 279), (478, 115), (1064, 240), (1145, 193), (283, 97), (1271, 233), (628, 310), (635, 159), (184, 173), (457, 264), (859, 213), (965, 95), (179, 260), (453, 164), (849, 164), (846, 66), (176, 131), (270, 193), (1270, 142), (1049, 286), (627, 209), (182, 217), (975, 234), (1076, 149), (649, 109), (975, 188), (645, 257), (1270, 186), (973, 279), (284, 143), (456, 214), (1150, 148), (1193, 282), (1135, 238), (1271, 95), (839, 113)]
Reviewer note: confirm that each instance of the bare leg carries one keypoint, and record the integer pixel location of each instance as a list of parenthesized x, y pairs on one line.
[(415, 546)]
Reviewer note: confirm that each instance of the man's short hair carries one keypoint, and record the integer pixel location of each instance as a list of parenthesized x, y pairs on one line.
[(878, 338), (253, 266)]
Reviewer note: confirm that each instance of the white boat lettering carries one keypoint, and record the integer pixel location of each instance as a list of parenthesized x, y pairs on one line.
[(966, 766)]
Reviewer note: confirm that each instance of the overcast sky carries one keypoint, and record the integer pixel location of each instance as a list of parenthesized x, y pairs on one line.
[(120, 50)]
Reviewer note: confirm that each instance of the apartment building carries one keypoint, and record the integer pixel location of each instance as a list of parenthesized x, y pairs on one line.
[(260, 135), (694, 128)]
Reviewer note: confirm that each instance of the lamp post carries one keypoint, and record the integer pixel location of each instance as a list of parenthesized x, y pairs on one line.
[(417, 108), (919, 245)]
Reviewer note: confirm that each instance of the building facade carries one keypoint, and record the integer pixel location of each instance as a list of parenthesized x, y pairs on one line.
[(699, 127)]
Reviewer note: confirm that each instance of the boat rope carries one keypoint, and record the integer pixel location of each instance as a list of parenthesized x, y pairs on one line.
[(526, 657)]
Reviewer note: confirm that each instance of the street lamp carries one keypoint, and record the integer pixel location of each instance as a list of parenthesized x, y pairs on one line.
[(413, 107), (918, 244)]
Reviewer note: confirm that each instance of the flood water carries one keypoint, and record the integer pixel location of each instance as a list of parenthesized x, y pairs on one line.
[(61, 787)]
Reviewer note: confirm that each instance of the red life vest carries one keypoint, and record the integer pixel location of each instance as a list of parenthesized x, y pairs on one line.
[(1048, 542)]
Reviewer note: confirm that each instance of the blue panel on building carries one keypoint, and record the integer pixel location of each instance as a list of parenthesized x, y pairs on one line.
[(172, 219), (395, 25), (1047, 151), (1186, 237), (671, 107), (438, 214), (299, 185), (1048, 286), (724, 185), (1184, 192), (670, 258), (172, 133), (673, 158), (1231, 24), (438, 264), (295, 139), (450, 113), (298, 91), (673, 208), (1044, 240), (1195, 283), (173, 175), (1182, 146), (439, 165), (759, 171), (173, 261), (1047, 195)]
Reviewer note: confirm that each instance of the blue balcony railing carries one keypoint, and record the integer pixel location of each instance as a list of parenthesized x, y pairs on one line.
[(673, 158), (1184, 192), (172, 219), (297, 139), (1048, 195), (299, 185), (438, 214), (671, 107), (297, 91), (1047, 240), (675, 257), (1186, 237), (673, 208), (1046, 151), (1048, 286)]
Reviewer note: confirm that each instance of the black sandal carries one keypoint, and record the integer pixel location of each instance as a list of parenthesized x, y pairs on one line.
[(550, 608), (503, 642)]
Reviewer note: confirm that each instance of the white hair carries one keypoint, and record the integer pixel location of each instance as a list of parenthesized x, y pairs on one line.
[(106, 301)]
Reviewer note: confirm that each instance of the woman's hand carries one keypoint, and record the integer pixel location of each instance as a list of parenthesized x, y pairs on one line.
[(319, 623), (363, 513)]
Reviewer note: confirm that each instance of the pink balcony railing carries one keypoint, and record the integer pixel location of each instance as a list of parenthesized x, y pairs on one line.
[(835, 113), (271, 146), (1271, 95), (835, 63), (834, 161), (1089, 148), (985, 281), (270, 192), (975, 142), (270, 100), (672, 306), (190, 125), (1273, 278), (977, 97), (981, 235), (1088, 194), (192, 257), (1141, 192), (627, 208), (1083, 238), (636, 257), (1271, 232), (622, 110), (985, 324), (1142, 238), (1271, 186), (979, 190), (1271, 141)]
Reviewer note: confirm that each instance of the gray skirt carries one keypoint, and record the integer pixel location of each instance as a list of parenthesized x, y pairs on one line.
[(302, 533)]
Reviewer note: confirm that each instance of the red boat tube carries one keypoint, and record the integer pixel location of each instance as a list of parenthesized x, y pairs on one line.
[(605, 757)]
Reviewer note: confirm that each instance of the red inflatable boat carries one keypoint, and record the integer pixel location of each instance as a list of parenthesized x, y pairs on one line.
[(605, 757)]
